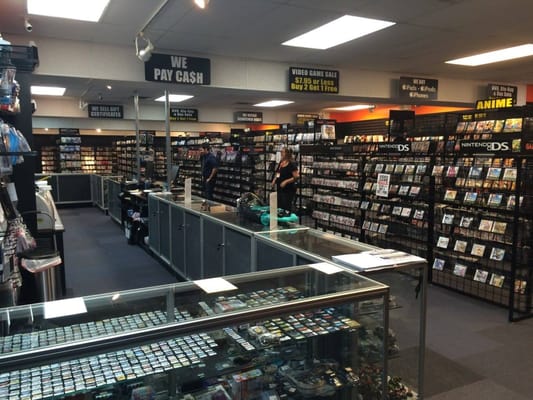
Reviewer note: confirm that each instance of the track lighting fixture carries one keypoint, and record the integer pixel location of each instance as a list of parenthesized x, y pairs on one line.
[(145, 53), (201, 3), (27, 25)]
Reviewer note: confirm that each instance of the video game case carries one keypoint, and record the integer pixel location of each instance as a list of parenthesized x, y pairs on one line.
[(481, 275), (497, 280), (438, 264), (478, 250), (460, 270)]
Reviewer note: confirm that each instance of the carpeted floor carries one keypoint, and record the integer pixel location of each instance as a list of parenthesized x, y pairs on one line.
[(472, 351), (98, 258)]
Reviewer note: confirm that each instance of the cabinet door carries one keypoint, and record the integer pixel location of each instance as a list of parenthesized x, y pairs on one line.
[(238, 252), (164, 231), (193, 246), (153, 224), (213, 249), (177, 238), (269, 257)]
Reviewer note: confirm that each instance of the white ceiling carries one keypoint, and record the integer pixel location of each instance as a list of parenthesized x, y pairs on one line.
[(427, 33)]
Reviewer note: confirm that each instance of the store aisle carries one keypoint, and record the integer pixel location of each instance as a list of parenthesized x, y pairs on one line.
[(472, 352), (98, 258)]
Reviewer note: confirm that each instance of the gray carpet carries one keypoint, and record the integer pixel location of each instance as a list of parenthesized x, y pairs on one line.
[(473, 352), (98, 258)]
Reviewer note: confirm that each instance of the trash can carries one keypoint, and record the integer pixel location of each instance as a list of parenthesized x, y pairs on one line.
[(40, 282)]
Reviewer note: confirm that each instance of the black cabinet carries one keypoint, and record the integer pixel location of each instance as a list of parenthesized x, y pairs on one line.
[(164, 231), (213, 249), (177, 240), (193, 246), (153, 224)]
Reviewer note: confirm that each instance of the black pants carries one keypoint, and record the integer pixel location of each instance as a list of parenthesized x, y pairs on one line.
[(209, 187), (286, 199)]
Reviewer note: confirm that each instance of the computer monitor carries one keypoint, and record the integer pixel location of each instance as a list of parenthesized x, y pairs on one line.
[(174, 175)]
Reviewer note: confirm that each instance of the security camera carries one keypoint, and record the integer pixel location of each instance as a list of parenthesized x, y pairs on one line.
[(27, 25)]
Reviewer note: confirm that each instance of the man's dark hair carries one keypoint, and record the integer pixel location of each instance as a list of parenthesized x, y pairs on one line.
[(206, 146)]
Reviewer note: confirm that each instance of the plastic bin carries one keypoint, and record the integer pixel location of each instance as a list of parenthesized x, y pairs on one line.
[(41, 277)]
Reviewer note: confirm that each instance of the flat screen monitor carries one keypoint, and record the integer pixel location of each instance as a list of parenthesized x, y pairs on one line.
[(174, 175)]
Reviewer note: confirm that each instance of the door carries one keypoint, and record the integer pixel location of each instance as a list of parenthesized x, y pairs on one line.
[(238, 252), (153, 224), (213, 249), (164, 231), (177, 240), (193, 246)]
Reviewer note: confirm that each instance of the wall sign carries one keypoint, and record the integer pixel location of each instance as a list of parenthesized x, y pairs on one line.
[(496, 91), (491, 104), (418, 88), (313, 80), (183, 114), (303, 118), (248, 116), (490, 146), (105, 111), (69, 131), (178, 69), (394, 147)]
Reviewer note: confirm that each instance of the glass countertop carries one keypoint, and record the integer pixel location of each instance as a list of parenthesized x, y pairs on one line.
[(315, 242), (73, 322), (223, 213)]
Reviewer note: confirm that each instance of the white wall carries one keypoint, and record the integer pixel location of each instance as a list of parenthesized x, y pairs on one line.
[(86, 60)]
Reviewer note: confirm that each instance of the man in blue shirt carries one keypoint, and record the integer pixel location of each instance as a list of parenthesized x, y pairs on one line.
[(209, 170)]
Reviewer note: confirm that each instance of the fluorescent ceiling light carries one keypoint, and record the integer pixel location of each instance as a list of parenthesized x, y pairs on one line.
[(354, 107), (510, 53), (48, 90), (273, 103), (81, 10), (339, 31), (201, 3), (175, 98)]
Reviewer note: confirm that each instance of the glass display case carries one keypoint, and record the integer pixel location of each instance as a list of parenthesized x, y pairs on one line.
[(299, 332), (202, 239), (407, 282)]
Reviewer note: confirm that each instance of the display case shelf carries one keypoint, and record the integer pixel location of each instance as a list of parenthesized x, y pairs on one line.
[(297, 331)]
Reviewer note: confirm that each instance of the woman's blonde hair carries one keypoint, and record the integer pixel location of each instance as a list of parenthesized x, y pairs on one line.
[(288, 153)]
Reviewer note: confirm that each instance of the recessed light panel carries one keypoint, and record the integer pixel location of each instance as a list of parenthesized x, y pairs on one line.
[(273, 103), (355, 107), (339, 31), (490, 57), (48, 90), (175, 98), (82, 10)]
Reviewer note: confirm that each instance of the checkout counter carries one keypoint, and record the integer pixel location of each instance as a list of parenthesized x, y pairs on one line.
[(200, 242)]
